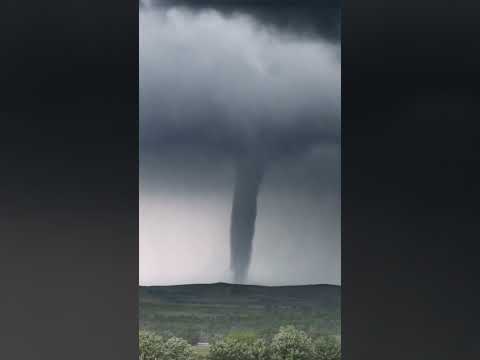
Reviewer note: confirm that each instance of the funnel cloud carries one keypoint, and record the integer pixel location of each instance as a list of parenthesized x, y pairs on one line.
[(239, 142), (249, 172)]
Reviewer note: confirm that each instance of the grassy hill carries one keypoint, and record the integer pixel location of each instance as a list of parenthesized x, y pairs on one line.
[(204, 310)]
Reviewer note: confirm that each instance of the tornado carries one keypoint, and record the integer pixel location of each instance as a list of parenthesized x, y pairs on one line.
[(249, 173)]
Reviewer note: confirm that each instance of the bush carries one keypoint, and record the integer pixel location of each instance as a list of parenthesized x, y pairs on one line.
[(291, 344), (327, 348), (288, 344), (177, 349), (153, 347), (150, 346), (239, 346)]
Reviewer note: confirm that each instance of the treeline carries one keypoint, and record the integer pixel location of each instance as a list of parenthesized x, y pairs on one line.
[(192, 327), (289, 343)]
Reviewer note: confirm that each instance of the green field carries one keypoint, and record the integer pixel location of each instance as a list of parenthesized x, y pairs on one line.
[(201, 312)]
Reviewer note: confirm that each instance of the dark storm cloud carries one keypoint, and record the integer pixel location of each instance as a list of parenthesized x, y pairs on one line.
[(301, 17), (231, 84), (228, 82)]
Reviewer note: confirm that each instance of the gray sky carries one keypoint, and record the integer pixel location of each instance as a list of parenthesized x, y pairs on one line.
[(211, 84)]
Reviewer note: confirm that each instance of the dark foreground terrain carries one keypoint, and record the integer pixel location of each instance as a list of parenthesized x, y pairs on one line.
[(198, 312)]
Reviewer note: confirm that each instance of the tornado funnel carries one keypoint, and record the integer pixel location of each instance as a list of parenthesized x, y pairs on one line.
[(249, 171)]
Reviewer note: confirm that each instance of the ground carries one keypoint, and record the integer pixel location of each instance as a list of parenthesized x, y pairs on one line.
[(201, 312)]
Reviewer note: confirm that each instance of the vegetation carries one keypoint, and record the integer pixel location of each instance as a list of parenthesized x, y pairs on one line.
[(240, 346), (327, 348), (288, 343), (154, 347), (239, 322), (292, 344), (204, 312)]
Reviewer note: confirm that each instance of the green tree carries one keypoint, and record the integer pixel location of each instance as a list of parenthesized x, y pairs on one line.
[(177, 349), (327, 348), (291, 344), (150, 346), (239, 346), (154, 347)]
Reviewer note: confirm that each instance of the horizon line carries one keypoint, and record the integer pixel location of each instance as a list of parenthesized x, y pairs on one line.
[(252, 284)]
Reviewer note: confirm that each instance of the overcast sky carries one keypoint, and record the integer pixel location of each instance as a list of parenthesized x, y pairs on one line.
[(214, 81)]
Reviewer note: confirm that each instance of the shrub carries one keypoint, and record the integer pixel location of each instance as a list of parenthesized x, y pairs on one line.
[(153, 347), (288, 344), (327, 348), (177, 349), (150, 346), (261, 350), (239, 346), (291, 344)]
